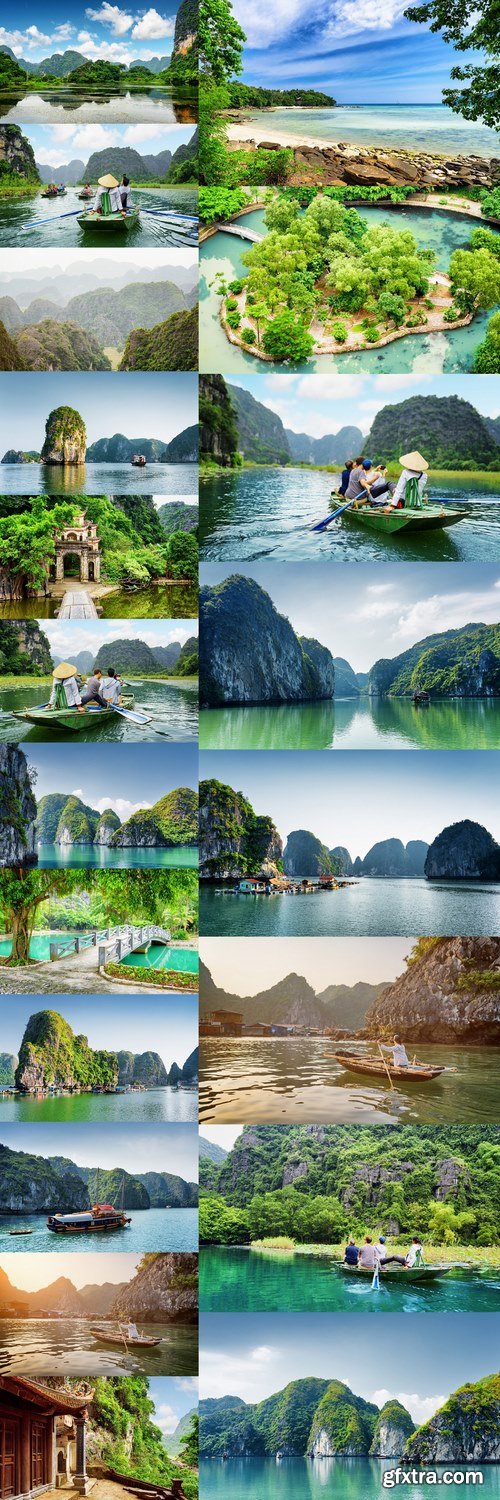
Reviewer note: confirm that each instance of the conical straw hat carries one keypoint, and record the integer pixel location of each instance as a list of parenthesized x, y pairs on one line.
[(64, 670), (413, 461), (107, 181)]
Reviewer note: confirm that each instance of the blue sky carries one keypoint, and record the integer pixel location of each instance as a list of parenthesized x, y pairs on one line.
[(346, 799), (363, 613), (253, 1357), (138, 1148), (321, 404), (72, 636), (358, 51), (164, 1024), (172, 1399), (55, 145), (150, 405), (126, 779), (119, 33), (245, 966)]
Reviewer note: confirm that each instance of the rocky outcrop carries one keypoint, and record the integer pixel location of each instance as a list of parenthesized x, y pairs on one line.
[(451, 1177), (373, 1180), (25, 649), (170, 823), (341, 856), (450, 429), (249, 653), (390, 860), (107, 826), (305, 855), (367, 166), (261, 434), (346, 683), (65, 438), (463, 851), (393, 1428), (450, 991), (17, 809), (466, 1429), (165, 1290), (342, 1424), (165, 1190), (50, 1053), (218, 428), (141, 1067), (17, 155), (29, 1184), (461, 663), (233, 840)]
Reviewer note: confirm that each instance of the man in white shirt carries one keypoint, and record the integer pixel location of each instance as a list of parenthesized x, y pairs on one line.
[(108, 188), (399, 1054), (110, 687), (369, 1257)]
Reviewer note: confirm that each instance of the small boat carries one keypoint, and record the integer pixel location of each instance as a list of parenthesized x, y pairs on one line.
[(138, 460), (108, 223), (421, 698), (398, 1273), (122, 1338), (86, 193), (69, 718), (375, 1065), (102, 1217), (54, 192), (20, 1231), (428, 518)]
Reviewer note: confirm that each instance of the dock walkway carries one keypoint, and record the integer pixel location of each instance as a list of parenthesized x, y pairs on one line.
[(77, 605)]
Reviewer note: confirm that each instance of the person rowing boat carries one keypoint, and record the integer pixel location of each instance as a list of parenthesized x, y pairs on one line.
[(400, 1057), (65, 691)]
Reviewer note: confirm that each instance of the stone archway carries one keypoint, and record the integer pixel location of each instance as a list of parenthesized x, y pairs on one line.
[(69, 561)]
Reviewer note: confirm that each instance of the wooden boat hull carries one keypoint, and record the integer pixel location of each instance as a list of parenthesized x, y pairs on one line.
[(98, 1227), (370, 1065), (120, 1339), (69, 718), (397, 1273), (109, 223), (430, 518)]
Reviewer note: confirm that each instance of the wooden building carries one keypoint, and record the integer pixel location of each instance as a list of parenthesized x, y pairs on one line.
[(42, 1439)]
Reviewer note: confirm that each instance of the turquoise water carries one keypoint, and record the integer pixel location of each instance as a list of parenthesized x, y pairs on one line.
[(172, 704), (354, 724), (413, 127), (267, 512), (369, 908), (158, 956), (65, 1346), (241, 1280), (17, 218), (298, 1079), (39, 944), (96, 479), (161, 602), (436, 353), (153, 1106), (101, 857), (318, 1479), (151, 1229)]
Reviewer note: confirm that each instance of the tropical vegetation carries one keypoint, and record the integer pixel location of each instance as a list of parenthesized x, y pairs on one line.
[(79, 900)]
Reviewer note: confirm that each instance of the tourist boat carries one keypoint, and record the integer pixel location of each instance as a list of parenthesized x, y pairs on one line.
[(138, 460), (108, 223), (399, 1273), (54, 192), (20, 1231), (102, 1216), (427, 519), (122, 1338), (421, 699), (381, 1068), (69, 718), (86, 193)]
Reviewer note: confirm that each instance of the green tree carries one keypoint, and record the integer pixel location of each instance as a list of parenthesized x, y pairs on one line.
[(221, 40), (468, 27), (487, 356), (27, 546), (287, 339), (476, 271), (168, 898)]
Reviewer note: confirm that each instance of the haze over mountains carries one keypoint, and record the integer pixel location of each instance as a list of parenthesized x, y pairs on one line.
[(139, 166), (293, 1002), (60, 64)]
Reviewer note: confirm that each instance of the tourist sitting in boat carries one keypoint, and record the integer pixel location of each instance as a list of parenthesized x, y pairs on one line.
[(351, 1255), (369, 1257), (125, 194), (414, 1256), (362, 477), (345, 477), (399, 1054), (383, 488), (385, 1259), (107, 198), (65, 691), (133, 1331), (91, 691), (413, 477), (110, 687)]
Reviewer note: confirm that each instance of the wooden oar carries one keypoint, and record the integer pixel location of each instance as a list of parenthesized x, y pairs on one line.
[(386, 1066), (322, 525)]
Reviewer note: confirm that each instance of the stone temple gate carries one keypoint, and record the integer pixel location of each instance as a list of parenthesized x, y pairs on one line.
[(78, 540)]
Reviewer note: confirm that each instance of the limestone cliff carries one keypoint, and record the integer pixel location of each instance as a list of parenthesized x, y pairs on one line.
[(164, 1290), (170, 823), (50, 1053), (463, 851), (393, 1428), (17, 155), (218, 429), (249, 653), (141, 1067), (107, 826), (450, 991), (465, 1430), (342, 1423), (305, 855), (233, 839), (30, 1184), (17, 809), (65, 437)]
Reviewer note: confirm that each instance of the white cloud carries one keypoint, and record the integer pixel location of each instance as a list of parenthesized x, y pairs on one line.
[(90, 138), (64, 32), (364, 15), (111, 15), (137, 133), (152, 25), (121, 806), (166, 1419), (77, 792), (421, 1408), (263, 1354), (115, 51), (449, 612), (380, 588), (264, 23), (329, 387), (37, 38), (186, 1383), (243, 1374)]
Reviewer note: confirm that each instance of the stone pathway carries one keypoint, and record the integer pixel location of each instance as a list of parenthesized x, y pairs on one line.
[(77, 605), (77, 974)]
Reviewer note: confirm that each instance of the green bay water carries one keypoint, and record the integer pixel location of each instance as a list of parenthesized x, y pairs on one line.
[(398, 127), (426, 353), (156, 602), (298, 1079), (96, 478), (102, 857), (172, 703), (268, 512), (164, 956), (239, 1280), (367, 908), (18, 215), (354, 724), (321, 1479), (160, 1106), (39, 1346), (151, 1229)]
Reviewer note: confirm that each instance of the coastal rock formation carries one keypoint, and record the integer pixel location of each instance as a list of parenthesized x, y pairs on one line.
[(65, 438), (17, 155), (346, 682), (393, 1428), (450, 991), (164, 1290), (466, 1429), (141, 1067), (305, 855), (462, 663), (51, 1054), (293, 1002), (334, 448), (463, 851), (8, 1065), (76, 824), (17, 809), (25, 649), (10, 356), (117, 1187), (261, 434), (165, 1190), (313, 1417), (390, 860), (170, 823), (342, 1423), (249, 653), (127, 655), (218, 428), (30, 1184), (188, 1073), (233, 839), (447, 429), (54, 344), (107, 826), (340, 854), (366, 166)]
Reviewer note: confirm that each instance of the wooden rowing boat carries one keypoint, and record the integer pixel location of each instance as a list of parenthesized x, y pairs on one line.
[(413, 1275), (108, 223), (415, 1071), (389, 522), (69, 718), (122, 1338)]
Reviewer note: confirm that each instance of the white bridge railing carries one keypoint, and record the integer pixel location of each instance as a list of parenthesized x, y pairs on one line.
[(118, 942)]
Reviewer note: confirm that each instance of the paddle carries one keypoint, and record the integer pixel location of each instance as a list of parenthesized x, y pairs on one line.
[(375, 1282), (386, 1066), (129, 713), (322, 525), (52, 219)]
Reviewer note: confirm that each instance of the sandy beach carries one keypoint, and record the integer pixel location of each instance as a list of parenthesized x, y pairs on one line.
[(242, 130)]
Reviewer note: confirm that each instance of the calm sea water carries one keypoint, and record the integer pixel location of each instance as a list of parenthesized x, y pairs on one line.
[(161, 602), (427, 354), (316, 1479), (163, 956), (287, 1079), (153, 1106), (266, 512), (370, 908), (151, 1229), (354, 724), (17, 218), (64, 106), (101, 857), (241, 1280), (173, 705), (96, 479), (36, 1346), (411, 127)]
